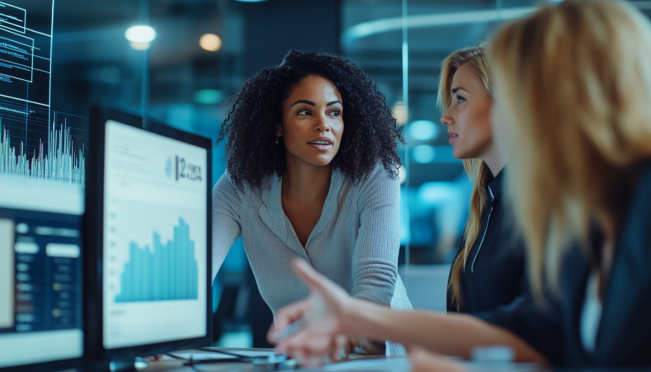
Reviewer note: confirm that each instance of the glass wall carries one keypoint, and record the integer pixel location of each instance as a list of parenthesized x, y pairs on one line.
[(401, 44)]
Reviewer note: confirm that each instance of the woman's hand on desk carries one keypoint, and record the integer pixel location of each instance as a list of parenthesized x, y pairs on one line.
[(323, 315)]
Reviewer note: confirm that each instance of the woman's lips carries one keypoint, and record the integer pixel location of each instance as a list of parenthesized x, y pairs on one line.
[(320, 146), (321, 143), (453, 137)]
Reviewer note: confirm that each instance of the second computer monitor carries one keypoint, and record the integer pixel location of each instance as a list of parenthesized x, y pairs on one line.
[(40, 274)]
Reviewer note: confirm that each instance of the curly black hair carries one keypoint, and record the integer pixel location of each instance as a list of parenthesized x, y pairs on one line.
[(370, 131)]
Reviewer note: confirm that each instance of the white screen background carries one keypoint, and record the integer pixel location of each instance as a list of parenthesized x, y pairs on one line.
[(141, 195)]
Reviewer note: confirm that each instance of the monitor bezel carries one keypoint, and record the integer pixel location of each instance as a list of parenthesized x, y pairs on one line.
[(94, 235), (55, 365)]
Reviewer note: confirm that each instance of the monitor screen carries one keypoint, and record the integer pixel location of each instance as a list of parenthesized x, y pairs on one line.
[(40, 271), (155, 238)]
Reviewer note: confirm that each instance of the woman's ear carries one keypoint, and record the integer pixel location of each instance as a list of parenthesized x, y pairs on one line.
[(279, 131)]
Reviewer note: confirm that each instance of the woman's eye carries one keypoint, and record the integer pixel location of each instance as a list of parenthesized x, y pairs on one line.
[(335, 113), (460, 99), (303, 112)]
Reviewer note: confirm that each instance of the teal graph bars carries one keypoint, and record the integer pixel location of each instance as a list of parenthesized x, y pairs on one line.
[(60, 163), (169, 272)]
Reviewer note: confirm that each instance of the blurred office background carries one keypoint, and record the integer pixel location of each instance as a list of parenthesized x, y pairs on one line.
[(205, 49)]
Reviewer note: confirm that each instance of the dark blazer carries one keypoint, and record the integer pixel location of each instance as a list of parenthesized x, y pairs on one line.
[(624, 333), (494, 273)]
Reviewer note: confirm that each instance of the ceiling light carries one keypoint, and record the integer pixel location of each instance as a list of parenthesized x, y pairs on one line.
[(423, 130), (400, 113), (423, 154), (210, 42), (383, 25), (140, 34), (432, 20)]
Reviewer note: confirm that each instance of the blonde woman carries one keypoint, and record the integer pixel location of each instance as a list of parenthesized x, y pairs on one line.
[(488, 270), (573, 116)]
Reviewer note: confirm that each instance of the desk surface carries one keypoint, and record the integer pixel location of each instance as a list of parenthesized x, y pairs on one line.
[(396, 364)]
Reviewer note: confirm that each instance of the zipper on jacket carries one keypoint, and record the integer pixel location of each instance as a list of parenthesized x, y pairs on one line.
[(472, 268)]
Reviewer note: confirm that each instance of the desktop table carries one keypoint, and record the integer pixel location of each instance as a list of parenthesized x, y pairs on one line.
[(376, 364), (391, 364)]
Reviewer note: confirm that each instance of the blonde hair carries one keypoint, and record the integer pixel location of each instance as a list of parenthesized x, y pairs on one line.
[(573, 86), (477, 170)]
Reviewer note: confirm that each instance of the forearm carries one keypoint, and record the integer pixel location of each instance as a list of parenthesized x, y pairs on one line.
[(453, 334)]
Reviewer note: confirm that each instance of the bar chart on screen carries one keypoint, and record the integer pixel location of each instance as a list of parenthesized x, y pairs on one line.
[(56, 159), (36, 141), (153, 253), (154, 268), (163, 272)]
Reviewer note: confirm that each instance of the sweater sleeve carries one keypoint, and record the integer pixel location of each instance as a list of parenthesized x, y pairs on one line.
[(227, 207), (539, 325), (375, 258)]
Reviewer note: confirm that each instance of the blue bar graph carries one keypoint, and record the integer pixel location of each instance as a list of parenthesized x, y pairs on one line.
[(169, 272), (58, 161)]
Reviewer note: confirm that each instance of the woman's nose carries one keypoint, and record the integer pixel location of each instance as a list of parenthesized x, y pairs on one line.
[(322, 124), (447, 119)]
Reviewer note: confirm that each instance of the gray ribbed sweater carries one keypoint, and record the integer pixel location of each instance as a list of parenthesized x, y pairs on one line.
[(355, 243)]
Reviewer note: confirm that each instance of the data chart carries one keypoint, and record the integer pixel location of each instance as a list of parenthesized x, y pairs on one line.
[(155, 238), (164, 272)]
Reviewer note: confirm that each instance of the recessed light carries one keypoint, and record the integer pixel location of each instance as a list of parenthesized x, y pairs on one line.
[(210, 42), (140, 34)]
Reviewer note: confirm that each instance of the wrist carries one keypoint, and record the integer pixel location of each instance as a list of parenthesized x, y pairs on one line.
[(354, 319)]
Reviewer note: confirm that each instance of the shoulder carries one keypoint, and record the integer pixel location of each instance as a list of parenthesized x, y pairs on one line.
[(225, 183), (226, 188), (377, 184), (379, 177)]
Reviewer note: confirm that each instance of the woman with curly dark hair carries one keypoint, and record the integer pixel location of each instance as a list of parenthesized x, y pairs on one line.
[(312, 174)]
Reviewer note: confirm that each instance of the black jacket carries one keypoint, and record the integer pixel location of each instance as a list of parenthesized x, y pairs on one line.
[(624, 333), (494, 272)]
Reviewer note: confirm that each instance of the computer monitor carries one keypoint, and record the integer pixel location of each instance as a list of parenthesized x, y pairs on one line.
[(40, 273), (148, 229)]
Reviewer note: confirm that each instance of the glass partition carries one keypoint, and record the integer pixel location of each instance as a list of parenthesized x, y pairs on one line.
[(401, 44)]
